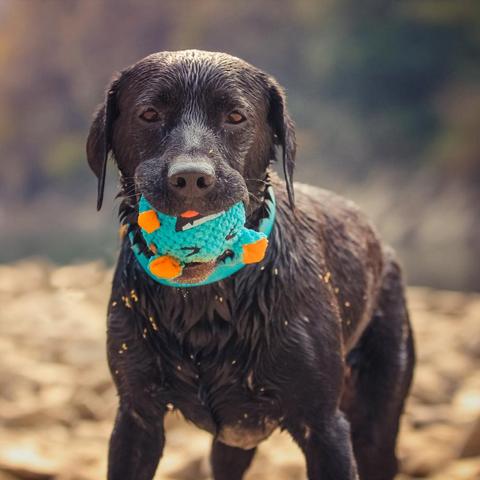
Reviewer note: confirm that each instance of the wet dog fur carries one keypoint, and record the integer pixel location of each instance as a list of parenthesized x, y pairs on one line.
[(315, 339)]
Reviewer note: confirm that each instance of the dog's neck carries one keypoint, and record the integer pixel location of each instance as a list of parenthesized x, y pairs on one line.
[(257, 193)]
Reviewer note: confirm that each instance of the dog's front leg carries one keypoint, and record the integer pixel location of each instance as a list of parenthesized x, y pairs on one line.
[(136, 446), (327, 448), (229, 462), (137, 439)]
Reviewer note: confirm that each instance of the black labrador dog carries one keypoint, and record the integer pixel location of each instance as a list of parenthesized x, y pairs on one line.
[(315, 339)]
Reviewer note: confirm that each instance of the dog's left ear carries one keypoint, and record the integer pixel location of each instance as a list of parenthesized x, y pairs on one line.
[(284, 134), (99, 142)]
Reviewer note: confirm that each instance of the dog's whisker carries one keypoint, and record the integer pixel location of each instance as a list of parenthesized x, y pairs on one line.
[(134, 176), (254, 197), (257, 180), (129, 194)]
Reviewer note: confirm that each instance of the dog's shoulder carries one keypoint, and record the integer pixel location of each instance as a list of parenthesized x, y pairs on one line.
[(331, 207), (350, 249), (339, 219)]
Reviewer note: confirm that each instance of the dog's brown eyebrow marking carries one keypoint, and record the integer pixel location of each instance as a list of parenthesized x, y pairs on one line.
[(232, 99)]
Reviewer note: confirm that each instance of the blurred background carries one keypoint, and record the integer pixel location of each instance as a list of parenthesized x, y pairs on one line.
[(386, 98)]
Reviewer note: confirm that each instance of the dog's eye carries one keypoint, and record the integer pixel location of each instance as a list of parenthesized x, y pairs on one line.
[(235, 118), (150, 115)]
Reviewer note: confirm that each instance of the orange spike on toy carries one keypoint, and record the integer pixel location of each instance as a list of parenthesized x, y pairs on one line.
[(254, 252), (165, 267), (148, 220)]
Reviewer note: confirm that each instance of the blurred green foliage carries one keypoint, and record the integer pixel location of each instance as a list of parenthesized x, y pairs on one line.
[(373, 83)]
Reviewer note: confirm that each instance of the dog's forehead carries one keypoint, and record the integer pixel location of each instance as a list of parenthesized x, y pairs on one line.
[(197, 63), (192, 70)]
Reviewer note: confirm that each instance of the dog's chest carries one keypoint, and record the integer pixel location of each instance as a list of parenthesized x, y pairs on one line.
[(210, 346), (227, 403), (216, 384)]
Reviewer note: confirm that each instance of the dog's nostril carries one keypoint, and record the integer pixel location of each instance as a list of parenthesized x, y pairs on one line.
[(203, 183), (180, 182)]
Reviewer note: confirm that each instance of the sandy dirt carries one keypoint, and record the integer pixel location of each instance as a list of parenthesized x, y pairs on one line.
[(57, 401)]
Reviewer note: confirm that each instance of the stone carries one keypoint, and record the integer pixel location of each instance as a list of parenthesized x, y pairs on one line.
[(79, 276), (471, 445)]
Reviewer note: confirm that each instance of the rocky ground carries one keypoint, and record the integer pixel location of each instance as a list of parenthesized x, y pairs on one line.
[(57, 401)]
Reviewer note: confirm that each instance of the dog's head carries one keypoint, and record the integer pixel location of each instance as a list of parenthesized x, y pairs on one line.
[(192, 130)]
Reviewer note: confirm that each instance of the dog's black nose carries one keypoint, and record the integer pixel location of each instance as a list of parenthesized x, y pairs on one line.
[(191, 180)]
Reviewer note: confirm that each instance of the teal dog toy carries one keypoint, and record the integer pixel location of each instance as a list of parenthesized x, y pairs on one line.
[(192, 238)]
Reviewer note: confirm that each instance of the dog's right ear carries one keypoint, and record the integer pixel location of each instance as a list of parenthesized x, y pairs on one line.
[(99, 142)]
